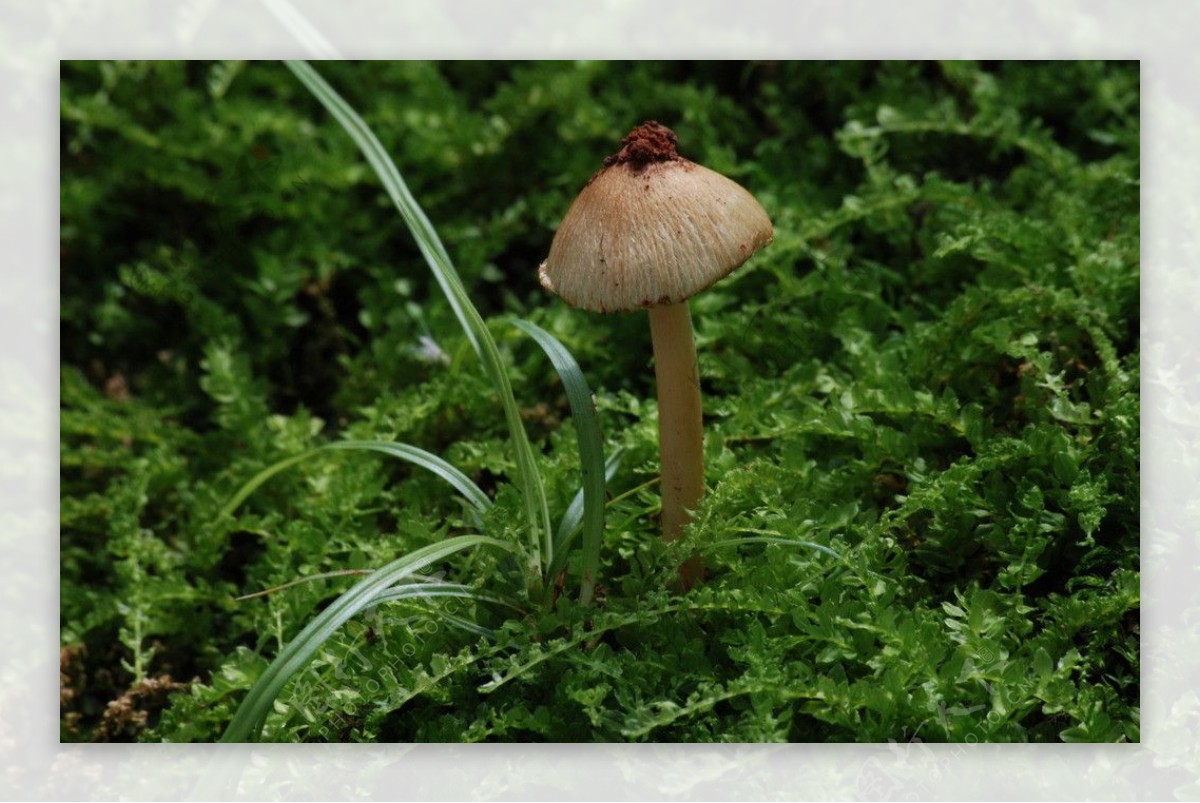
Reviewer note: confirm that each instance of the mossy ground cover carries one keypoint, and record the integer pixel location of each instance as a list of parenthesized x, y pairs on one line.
[(921, 405)]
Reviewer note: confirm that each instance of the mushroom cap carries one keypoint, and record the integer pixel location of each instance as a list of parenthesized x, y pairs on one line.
[(651, 228)]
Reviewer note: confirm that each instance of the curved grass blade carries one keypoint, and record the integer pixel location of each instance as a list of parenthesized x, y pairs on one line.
[(252, 713), (591, 454), (418, 223), (258, 479), (413, 588), (537, 511), (427, 460), (469, 626), (568, 526), (431, 590)]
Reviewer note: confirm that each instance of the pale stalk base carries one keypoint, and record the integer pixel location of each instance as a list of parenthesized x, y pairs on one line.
[(680, 424)]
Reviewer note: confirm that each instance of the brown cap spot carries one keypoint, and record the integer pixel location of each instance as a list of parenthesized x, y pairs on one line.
[(648, 143)]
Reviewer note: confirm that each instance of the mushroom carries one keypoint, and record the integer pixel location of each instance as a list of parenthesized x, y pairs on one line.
[(652, 229)]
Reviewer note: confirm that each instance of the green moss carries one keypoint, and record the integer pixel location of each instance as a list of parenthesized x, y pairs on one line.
[(921, 402)]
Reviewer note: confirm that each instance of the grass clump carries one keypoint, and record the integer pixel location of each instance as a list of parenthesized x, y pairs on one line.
[(921, 409)]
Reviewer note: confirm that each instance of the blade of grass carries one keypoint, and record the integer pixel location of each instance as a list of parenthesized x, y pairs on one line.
[(568, 526), (537, 511), (591, 454), (428, 590), (468, 625), (427, 460), (417, 587), (247, 722)]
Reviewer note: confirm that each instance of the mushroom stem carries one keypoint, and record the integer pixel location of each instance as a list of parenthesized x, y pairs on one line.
[(680, 426)]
